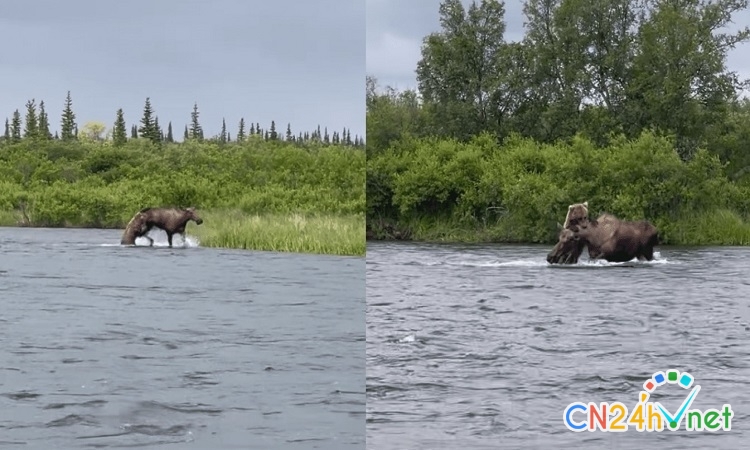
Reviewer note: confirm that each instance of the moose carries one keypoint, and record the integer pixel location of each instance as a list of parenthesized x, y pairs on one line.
[(171, 220), (606, 237)]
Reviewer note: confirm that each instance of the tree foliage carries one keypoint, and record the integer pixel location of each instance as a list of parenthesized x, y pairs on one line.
[(31, 124), (119, 133), (622, 103), (68, 127), (597, 67), (196, 131)]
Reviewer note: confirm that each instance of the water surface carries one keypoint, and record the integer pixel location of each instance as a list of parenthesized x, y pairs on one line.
[(111, 347), (483, 347)]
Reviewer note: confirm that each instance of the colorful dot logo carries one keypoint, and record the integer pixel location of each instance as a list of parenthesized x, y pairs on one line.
[(650, 416), (672, 376), (683, 379)]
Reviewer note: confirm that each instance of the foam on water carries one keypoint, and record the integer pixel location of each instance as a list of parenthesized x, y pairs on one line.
[(583, 262), (517, 263), (161, 241)]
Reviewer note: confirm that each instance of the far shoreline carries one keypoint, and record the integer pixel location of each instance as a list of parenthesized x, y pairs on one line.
[(302, 233)]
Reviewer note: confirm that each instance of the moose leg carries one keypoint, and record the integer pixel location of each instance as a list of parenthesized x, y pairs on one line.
[(169, 238), (181, 232)]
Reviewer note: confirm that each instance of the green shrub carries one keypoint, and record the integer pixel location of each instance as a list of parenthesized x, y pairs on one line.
[(519, 190)]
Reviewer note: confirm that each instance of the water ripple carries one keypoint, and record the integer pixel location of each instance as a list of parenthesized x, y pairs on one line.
[(485, 346), (109, 347)]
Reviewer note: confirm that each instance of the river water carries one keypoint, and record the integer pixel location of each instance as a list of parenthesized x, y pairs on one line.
[(484, 347), (106, 346)]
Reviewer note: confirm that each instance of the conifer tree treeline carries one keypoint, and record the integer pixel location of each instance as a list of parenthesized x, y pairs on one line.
[(36, 126)]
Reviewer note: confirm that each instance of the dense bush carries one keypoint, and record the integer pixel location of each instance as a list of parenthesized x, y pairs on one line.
[(520, 190), (76, 183)]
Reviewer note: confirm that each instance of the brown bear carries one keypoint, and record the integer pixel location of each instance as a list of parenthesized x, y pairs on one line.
[(577, 213)]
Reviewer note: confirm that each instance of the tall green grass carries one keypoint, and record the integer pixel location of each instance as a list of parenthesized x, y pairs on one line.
[(720, 227), (322, 234), (9, 218)]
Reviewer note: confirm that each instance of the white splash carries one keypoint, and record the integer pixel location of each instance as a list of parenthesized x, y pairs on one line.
[(407, 339), (160, 240), (584, 262), (541, 262)]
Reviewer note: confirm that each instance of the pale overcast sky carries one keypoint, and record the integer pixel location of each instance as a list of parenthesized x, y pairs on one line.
[(396, 28), (284, 60)]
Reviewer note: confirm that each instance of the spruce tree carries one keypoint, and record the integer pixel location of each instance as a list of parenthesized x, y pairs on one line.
[(289, 136), (148, 128), (170, 136), (6, 135), (68, 125), (241, 131), (273, 134), (31, 127), (15, 127), (196, 132), (43, 123), (326, 138), (252, 129), (119, 136), (257, 128), (157, 130), (348, 138), (223, 135), (186, 136), (134, 132)]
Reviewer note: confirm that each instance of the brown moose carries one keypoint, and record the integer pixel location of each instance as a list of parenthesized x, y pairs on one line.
[(171, 220)]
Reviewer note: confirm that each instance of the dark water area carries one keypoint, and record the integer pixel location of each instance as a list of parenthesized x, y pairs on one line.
[(484, 347), (106, 346)]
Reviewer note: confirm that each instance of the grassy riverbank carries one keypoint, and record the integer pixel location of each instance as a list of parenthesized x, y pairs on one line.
[(721, 227), (323, 234), (256, 194), (331, 234)]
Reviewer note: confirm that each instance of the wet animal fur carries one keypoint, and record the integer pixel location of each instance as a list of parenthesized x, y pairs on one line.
[(171, 220), (608, 238), (577, 213), (135, 228)]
